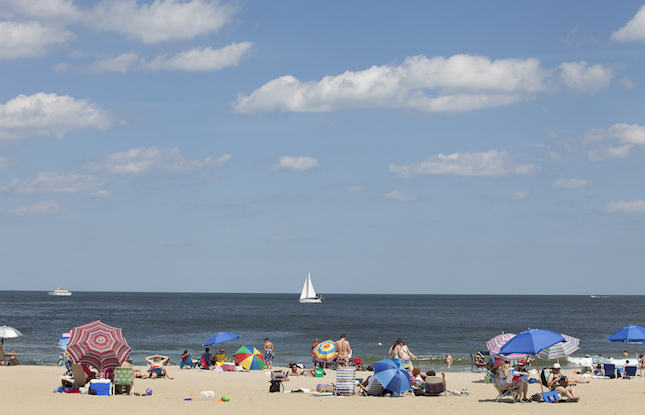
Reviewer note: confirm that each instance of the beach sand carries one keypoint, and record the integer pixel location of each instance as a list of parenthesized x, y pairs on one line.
[(29, 390)]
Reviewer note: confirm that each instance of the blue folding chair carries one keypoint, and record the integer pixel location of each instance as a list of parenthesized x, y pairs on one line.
[(609, 370), (630, 371)]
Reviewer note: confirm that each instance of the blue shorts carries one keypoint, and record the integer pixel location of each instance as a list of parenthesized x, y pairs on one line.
[(268, 354)]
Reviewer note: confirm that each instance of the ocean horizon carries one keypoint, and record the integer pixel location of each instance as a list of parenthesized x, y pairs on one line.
[(169, 322)]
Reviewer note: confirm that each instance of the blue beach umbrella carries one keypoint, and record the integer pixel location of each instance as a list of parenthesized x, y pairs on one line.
[(221, 337), (629, 334), (532, 341), (384, 364), (395, 379)]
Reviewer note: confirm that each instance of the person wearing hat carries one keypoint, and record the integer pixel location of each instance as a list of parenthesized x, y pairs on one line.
[(558, 382)]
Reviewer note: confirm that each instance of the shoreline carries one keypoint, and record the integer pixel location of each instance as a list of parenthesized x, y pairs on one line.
[(27, 389)]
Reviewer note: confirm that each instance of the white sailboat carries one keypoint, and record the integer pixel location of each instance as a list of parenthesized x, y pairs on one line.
[(308, 294)]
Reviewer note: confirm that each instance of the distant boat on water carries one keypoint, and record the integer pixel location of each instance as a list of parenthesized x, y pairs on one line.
[(308, 294), (59, 292)]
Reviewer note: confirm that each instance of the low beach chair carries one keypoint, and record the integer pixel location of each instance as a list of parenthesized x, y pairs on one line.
[(80, 378), (434, 386), (630, 371), (123, 377), (375, 389), (345, 381), (504, 391), (609, 370)]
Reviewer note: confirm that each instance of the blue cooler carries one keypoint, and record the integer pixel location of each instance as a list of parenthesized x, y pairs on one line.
[(101, 386)]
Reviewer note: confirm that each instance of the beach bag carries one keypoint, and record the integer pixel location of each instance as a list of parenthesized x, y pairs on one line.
[(319, 372), (275, 386), (278, 375)]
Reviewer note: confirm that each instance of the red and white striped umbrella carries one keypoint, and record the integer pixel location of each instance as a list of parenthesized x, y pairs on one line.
[(98, 345), (496, 343)]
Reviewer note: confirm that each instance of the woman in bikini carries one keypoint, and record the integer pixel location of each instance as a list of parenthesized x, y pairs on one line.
[(395, 351), (405, 357)]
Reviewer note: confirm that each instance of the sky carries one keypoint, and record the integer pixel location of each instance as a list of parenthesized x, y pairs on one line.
[(408, 147)]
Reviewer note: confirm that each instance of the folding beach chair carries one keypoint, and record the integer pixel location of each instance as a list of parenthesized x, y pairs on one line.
[(345, 380), (375, 389), (503, 392), (80, 378), (123, 377), (434, 386), (630, 371), (609, 370)]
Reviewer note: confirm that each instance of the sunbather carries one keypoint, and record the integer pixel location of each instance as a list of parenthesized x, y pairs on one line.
[(503, 384), (157, 368), (557, 381)]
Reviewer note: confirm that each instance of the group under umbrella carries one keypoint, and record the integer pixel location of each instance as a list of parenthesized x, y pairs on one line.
[(629, 334), (392, 376)]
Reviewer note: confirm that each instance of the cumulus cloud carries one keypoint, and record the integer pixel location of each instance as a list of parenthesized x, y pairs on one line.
[(438, 84), (521, 195), (634, 206), (59, 12), (300, 163), (488, 163), (584, 77), (145, 160), (30, 39), (53, 182), (570, 183), (49, 115), (633, 31), (161, 20), (41, 208), (401, 197), (613, 142), (101, 194), (5, 162), (202, 59), (121, 64)]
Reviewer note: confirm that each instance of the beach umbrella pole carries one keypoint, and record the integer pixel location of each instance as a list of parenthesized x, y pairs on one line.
[(538, 369)]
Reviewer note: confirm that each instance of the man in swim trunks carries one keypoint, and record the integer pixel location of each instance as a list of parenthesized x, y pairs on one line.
[(157, 368), (268, 353), (344, 351)]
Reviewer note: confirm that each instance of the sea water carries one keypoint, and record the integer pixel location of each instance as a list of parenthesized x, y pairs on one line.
[(431, 325)]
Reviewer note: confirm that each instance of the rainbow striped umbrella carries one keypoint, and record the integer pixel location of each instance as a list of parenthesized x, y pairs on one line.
[(496, 343), (250, 358), (98, 345), (562, 349), (326, 351)]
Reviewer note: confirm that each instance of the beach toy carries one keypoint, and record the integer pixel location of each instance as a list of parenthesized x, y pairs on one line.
[(225, 398), (149, 392), (188, 399), (380, 344), (207, 394)]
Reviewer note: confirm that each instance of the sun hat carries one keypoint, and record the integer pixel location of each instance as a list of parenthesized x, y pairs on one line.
[(556, 365)]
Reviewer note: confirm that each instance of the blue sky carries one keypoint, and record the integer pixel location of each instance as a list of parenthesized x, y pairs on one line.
[(409, 147)]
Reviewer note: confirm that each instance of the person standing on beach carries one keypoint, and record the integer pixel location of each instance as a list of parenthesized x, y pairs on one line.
[(268, 353), (395, 351), (448, 361), (406, 362), (344, 351), (313, 356)]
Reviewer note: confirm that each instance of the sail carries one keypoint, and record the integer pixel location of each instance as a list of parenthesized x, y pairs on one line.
[(303, 294), (311, 293)]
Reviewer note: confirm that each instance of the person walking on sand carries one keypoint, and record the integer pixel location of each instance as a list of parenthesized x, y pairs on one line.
[(268, 353), (344, 351), (448, 361)]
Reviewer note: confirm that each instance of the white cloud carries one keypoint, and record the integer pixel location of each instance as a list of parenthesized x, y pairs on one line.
[(521, 195), (101, 194), (30, 39), (356, 188), (635, 206), (53, 182), (614, 142), (570, 183), (202, 59), (300, 163), (41, 208), (438, 84), (634, 30), (401, 197), (122, 63), (140, 161), (488, 163), (161, 20), (5, 162), (582, 77), (626, 83), (59, 12), (49, 115)]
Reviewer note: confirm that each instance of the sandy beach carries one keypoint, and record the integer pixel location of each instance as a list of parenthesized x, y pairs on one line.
[(29, 390)]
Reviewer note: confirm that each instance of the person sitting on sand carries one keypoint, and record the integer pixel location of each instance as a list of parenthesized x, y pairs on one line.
[(522, 387), (206, 359), (219, 358), (559, 382), (157, 368)]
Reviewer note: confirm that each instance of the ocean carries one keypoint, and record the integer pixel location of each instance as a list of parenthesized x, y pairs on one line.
[(431, 325)]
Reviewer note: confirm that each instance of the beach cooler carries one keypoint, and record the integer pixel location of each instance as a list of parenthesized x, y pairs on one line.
[(228, 367), (101, 386)]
